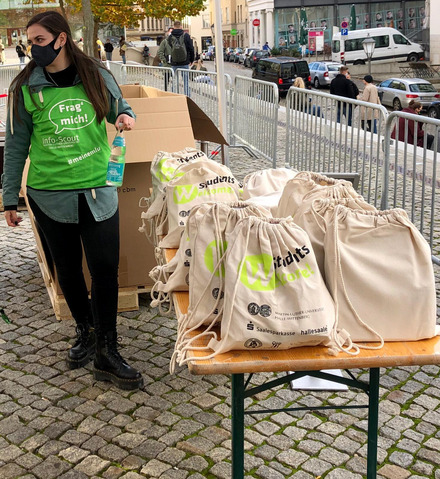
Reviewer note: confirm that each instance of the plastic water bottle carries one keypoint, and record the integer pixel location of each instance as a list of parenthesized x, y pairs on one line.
[(116, 163)]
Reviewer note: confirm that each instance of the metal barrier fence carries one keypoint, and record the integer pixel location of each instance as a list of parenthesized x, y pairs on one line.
[(255, 116), (412, 149), (326, 133), (156, 77), (201, 87), (7, 73)]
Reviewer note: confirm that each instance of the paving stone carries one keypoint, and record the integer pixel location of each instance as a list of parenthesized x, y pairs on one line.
[(154, 468), (113, 472), (342, 474), (393, 472), (11, 471), (333, 456), (28, 461), (266, 452), (92, 465), (74, 454), (51, 468), (316, 466), (221, 470), (266, 428), (10, 453), (149, 449), (292, 458)]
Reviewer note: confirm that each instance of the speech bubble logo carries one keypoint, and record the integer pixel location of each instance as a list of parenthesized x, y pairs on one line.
[(72, 114)]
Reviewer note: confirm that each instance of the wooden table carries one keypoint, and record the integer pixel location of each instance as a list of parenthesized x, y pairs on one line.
[(305, 361)]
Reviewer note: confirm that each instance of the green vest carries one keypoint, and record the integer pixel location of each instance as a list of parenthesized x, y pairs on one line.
[(69, 148)]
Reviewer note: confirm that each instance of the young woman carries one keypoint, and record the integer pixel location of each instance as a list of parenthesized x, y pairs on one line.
[(58, 105)]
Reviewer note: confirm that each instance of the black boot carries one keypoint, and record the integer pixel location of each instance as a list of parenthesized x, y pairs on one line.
[(83, 349), (110, 366)]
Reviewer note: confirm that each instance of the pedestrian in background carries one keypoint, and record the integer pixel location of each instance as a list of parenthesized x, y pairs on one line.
[(369, 95), (178, 47), (2, 52), (108, 48), (407, 129), (80, 44), (342, 86), (123, 49), (21, 51), (266, 47), (101, 52), (199, 66), (164, 51), (28, 49), (66, 187)]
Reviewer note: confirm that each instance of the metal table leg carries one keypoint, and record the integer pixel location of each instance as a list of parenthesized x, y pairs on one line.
[(237, 396), (373, 422)]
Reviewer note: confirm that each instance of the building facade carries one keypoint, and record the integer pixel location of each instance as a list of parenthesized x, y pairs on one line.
[(280, 19)]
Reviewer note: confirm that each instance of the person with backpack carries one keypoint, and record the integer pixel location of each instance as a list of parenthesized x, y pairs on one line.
[(21, 51), (182, 51)]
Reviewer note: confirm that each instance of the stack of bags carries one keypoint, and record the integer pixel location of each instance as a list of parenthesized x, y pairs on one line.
[(304, 260)]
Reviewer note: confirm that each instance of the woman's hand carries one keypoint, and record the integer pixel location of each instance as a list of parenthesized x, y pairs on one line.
[(124, 122), (12, 218)]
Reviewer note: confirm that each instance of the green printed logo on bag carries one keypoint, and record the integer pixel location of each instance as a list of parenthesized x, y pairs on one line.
[(265, 273), (212, 258), (167, 173), (257, 273), (184, 194)]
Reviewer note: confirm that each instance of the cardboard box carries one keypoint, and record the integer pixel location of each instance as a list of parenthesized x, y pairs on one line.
[(164, 121)]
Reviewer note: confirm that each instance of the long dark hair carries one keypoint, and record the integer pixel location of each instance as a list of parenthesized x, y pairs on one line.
[(87, 67)]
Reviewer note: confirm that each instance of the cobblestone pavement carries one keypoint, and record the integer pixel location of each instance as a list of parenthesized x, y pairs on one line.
[(61, 424)]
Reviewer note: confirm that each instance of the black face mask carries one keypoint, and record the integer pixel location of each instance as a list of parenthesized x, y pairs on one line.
[(44, 56)]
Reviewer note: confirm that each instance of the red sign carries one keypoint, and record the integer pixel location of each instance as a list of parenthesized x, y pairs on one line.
[(256, 22)]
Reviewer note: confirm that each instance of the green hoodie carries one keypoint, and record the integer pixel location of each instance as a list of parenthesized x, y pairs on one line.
[(19, 135)]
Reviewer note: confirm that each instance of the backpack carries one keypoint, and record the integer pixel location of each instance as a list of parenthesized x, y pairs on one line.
[(19, 50), (178, 48)]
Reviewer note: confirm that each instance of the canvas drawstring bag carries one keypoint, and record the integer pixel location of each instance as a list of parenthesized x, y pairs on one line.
[(174, 276), (164, 165), (207, 232), (269, 201), (163, 169), (263, 182), (379, 272), (202, 182), (309, 186), (312, 215), (275, 297)]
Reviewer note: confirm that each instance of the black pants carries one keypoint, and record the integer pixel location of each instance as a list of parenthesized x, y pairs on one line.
[(101, 246)]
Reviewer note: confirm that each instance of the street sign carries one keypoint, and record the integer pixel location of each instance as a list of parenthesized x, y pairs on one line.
[(344, 31), (234, 32), (256, 22), (344, 24)]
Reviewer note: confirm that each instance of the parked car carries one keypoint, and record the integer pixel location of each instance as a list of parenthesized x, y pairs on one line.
[(282, 71), (235, 54), (227, 53), (434, 110), (322, 73), (256, 56), (398, 92), (243, 55)]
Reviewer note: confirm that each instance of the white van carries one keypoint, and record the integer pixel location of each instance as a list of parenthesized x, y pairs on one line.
[(390, 45)]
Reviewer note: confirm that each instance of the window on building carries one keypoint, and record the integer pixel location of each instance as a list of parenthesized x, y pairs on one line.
[(205, 21), (227, 14)]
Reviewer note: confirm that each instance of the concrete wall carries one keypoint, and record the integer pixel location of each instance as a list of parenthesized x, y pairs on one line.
[(434, 15)]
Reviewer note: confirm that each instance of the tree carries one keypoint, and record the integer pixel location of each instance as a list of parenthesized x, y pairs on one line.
[(124, 12)]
